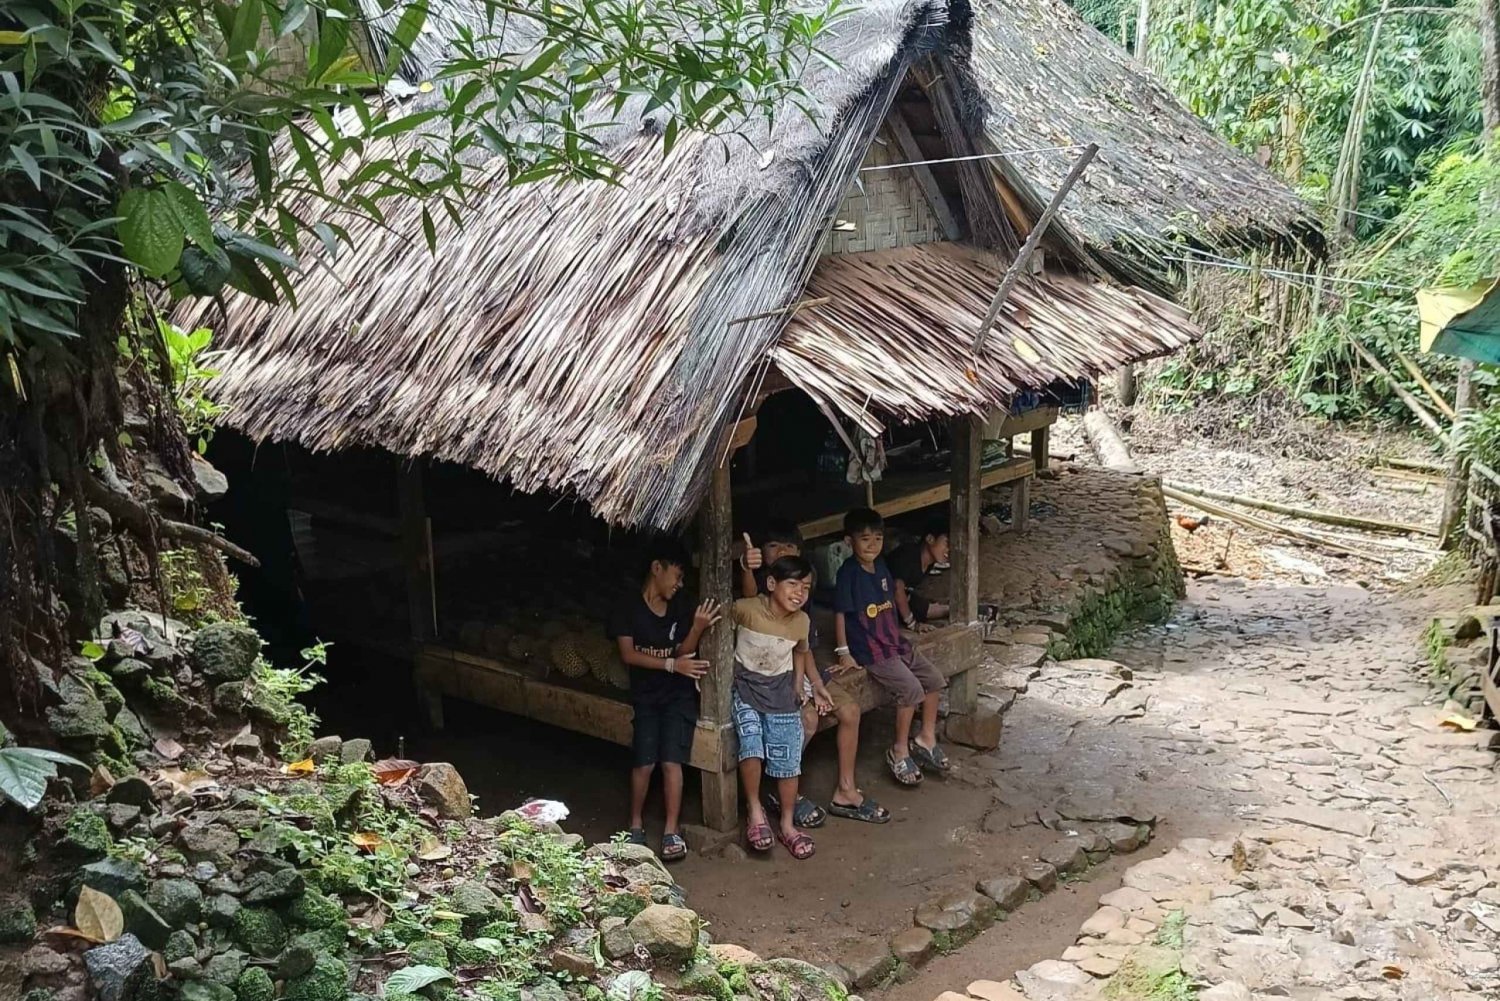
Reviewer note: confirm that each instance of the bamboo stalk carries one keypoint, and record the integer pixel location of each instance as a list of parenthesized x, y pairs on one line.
[(1264, 524), (1417, 465), (1306, 513), (1412, 403), (1433, 394)]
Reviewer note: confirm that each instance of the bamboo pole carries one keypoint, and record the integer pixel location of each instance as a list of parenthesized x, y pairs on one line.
[(1023, 256), (1308, 514), (1433, 394), (1419, 465), (1412, 403), (1264, 524)]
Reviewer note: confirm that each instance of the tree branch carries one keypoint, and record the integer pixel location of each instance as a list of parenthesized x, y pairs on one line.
[(1442, 11), (142, 521)]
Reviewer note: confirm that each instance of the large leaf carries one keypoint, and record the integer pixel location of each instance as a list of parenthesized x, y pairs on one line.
[(98, 916), (414, 978), (150, 230), (24, 772), (191, 214)]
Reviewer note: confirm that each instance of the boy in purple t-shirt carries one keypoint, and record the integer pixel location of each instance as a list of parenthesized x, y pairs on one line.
[(869, 636)]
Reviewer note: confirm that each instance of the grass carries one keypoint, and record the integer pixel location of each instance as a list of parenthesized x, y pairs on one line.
[(1155, 974)]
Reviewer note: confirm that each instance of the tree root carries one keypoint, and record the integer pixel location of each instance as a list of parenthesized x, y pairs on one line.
[(141, 521)]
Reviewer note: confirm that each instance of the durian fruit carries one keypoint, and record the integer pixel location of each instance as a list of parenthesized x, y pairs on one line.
[(521, 648), (600, 651), (566, 654)]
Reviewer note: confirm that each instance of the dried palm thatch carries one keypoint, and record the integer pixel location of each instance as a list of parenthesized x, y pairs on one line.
[(581, 338), (1161, 177), (895, 336)]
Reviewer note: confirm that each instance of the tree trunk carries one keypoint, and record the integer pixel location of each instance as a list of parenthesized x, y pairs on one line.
[(1142, 30), (1346, 174), (1465, 396)]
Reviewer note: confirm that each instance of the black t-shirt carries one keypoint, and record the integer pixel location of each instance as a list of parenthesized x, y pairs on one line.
[(657, 635), (906, 566)]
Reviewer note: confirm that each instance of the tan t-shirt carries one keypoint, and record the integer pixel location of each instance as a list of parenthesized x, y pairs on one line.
[(764, 643)]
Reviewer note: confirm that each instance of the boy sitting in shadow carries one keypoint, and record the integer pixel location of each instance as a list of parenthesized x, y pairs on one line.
[(910, 565), (821, 694), (658, 634)]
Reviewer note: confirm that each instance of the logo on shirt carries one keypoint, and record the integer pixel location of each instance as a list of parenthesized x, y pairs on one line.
[(672, 633), (873, 610), (885, 584)]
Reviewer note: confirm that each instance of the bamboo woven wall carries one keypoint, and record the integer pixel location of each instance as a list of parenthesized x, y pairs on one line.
[(890, 212)]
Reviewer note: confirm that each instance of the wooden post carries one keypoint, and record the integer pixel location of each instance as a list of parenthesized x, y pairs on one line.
[(416, 561), (716, 524), (963, 549), (1041, 448), (1020, 504)]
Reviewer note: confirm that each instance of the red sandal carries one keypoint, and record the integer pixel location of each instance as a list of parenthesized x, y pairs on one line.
[(759, 836), (800, 845)]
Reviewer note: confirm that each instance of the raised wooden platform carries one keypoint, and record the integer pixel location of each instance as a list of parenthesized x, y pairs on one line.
[(912, 493)]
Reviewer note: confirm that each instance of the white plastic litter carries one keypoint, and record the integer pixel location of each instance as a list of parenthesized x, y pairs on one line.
[(543, 811)]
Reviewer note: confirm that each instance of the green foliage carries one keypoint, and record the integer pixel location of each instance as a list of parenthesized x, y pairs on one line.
[(275, 691), (25, 771), (1479, 435), (147, 133), (186, 589), (411, 979), (189, 357), (86, 832)]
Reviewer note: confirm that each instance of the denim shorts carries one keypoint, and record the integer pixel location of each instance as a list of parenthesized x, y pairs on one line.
[(776, 737)]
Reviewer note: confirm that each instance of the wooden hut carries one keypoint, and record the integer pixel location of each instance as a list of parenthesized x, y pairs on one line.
[(617, 344)]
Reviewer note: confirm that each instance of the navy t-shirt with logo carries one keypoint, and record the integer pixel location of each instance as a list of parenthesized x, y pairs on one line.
[(867, 600), (658, 636)]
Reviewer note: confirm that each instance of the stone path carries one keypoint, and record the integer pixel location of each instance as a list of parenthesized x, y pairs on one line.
[(1335, 841)]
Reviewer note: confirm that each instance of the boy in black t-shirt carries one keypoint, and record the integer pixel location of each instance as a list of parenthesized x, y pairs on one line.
[(912, 564), (658, 634)]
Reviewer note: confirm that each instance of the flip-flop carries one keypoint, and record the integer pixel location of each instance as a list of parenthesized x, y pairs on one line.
[(673, 847), (636, 836), (904, 771), (868, 811), (800, 845), (933, 757), (759, 836), (805, 814)]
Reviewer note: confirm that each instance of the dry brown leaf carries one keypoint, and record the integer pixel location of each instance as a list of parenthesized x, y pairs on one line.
[(303, 767), (433, 850), (394, 771), (1392, 972), (168, 748), (187, 781), (366, 840), (70, 933), (97, 916), (100, 781), (159, 965), (1458, 722)]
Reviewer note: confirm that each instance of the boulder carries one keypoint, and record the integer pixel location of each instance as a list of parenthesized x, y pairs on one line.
[(325, 749), (132, 791), (260, 931), (211, 485), (442, 788), (80, 715), (979, 730), (142, 920), (616, 942), (1103, 921), (353, 752), (1066, 856), (725, 952), (273, 886), (914, 947), (120, 970), (1041, 875), (960, 913), (668, 933), (220, 909), (225, 651), (1009, 892), (178, 901), (869, 963), (208, 842)]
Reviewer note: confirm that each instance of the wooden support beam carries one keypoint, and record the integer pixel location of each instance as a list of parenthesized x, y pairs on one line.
[(912, 152), (963, 548), (889, 507), (716, 534), (416, 550), (1041, 447)]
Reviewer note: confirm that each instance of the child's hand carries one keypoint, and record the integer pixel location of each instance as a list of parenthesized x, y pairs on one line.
[(822, 701), (923, 627), (691, 667), (707, 614), (752, 558), (844, 665)]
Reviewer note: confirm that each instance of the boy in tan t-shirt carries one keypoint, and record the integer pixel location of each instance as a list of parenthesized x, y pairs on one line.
[(770, 641)]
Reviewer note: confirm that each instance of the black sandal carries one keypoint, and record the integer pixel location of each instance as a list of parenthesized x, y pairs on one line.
[(805, 814), (904, 771), (673, 847), (868, 811), (635, 836), (929, 757)]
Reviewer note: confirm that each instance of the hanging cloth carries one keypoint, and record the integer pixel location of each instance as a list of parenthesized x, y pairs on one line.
[(868, 464)]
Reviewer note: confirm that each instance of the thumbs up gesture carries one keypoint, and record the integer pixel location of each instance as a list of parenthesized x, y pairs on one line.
[(752, 555)]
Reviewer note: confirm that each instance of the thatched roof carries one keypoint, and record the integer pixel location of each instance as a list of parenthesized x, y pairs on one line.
[(1162, 176), (918, 361), (598, 339)]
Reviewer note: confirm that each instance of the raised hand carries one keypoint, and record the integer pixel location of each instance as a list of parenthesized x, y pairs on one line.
[(707, 614), (752, 557)]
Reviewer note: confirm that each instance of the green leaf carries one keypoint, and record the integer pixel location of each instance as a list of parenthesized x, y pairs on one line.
[(92, 650), (190, 213), (246, 28), (24, 772), (493, 946), (205, 271), (428, 229), (333, 32), (413, 978), (407, 30), (150, 231)]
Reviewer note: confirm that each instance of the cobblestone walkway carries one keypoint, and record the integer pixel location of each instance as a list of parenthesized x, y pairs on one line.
[(1344, 845)]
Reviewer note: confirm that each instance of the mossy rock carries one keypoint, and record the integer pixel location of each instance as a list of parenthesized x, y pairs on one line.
[(17, 920), (620, 905), (205, 990), (86, 832), (328, 980), (427, 952), (316, 910), (225, 651), (180, 945), (468, 954), (705, 979), (260, 931), (254, 984)]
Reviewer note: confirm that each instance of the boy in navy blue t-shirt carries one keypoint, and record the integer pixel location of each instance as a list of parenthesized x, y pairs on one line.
[(869, 636)]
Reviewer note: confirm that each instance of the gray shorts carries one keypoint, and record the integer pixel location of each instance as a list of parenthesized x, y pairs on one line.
[(908, 678)]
